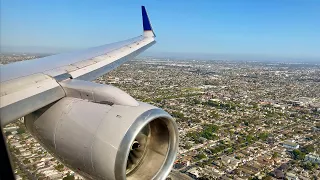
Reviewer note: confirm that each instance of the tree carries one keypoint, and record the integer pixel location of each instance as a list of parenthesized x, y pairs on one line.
[(187, 146), (69, 177), (211, 127), (207, 133), (249, 138), (308, 149), (26, 161), (177, 114), (308, 166), (230, 150), (275, 155), (214, 114), (298, 155), (21, 130), (196, 101), (263, 136), (201, 156), (59, 167), (253, 178), (267, 177), (255, 106)]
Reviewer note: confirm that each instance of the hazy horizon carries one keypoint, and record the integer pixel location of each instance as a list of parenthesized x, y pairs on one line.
[(174, 55), (267, 30)]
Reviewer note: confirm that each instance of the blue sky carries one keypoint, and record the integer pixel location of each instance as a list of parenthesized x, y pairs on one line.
[(288, 28)]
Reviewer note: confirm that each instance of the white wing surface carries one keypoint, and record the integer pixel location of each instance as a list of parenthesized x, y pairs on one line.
[(27, 86)]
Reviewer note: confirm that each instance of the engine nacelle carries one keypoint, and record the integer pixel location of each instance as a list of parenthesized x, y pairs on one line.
[(103, 141)]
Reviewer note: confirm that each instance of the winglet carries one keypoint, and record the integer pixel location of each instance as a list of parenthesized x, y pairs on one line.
[(147, 29)]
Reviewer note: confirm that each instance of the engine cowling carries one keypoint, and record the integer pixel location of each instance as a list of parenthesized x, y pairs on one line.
[(103, 141)]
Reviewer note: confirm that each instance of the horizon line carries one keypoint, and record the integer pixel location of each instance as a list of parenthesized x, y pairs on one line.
[(174, 55)]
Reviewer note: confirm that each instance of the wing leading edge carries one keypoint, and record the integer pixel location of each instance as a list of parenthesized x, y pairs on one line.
[(30, 85)]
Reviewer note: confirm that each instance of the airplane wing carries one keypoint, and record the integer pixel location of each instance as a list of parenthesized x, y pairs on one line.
[(97, 130), (27, 86)]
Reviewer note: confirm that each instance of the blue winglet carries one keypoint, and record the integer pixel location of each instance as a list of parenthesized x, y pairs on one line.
[(146, 21)]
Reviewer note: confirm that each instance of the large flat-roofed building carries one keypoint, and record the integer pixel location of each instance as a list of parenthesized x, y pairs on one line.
[(291, 176), (314, 158), (290, 145)]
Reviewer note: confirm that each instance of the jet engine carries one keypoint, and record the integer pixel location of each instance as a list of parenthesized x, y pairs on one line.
[(101, 132)]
